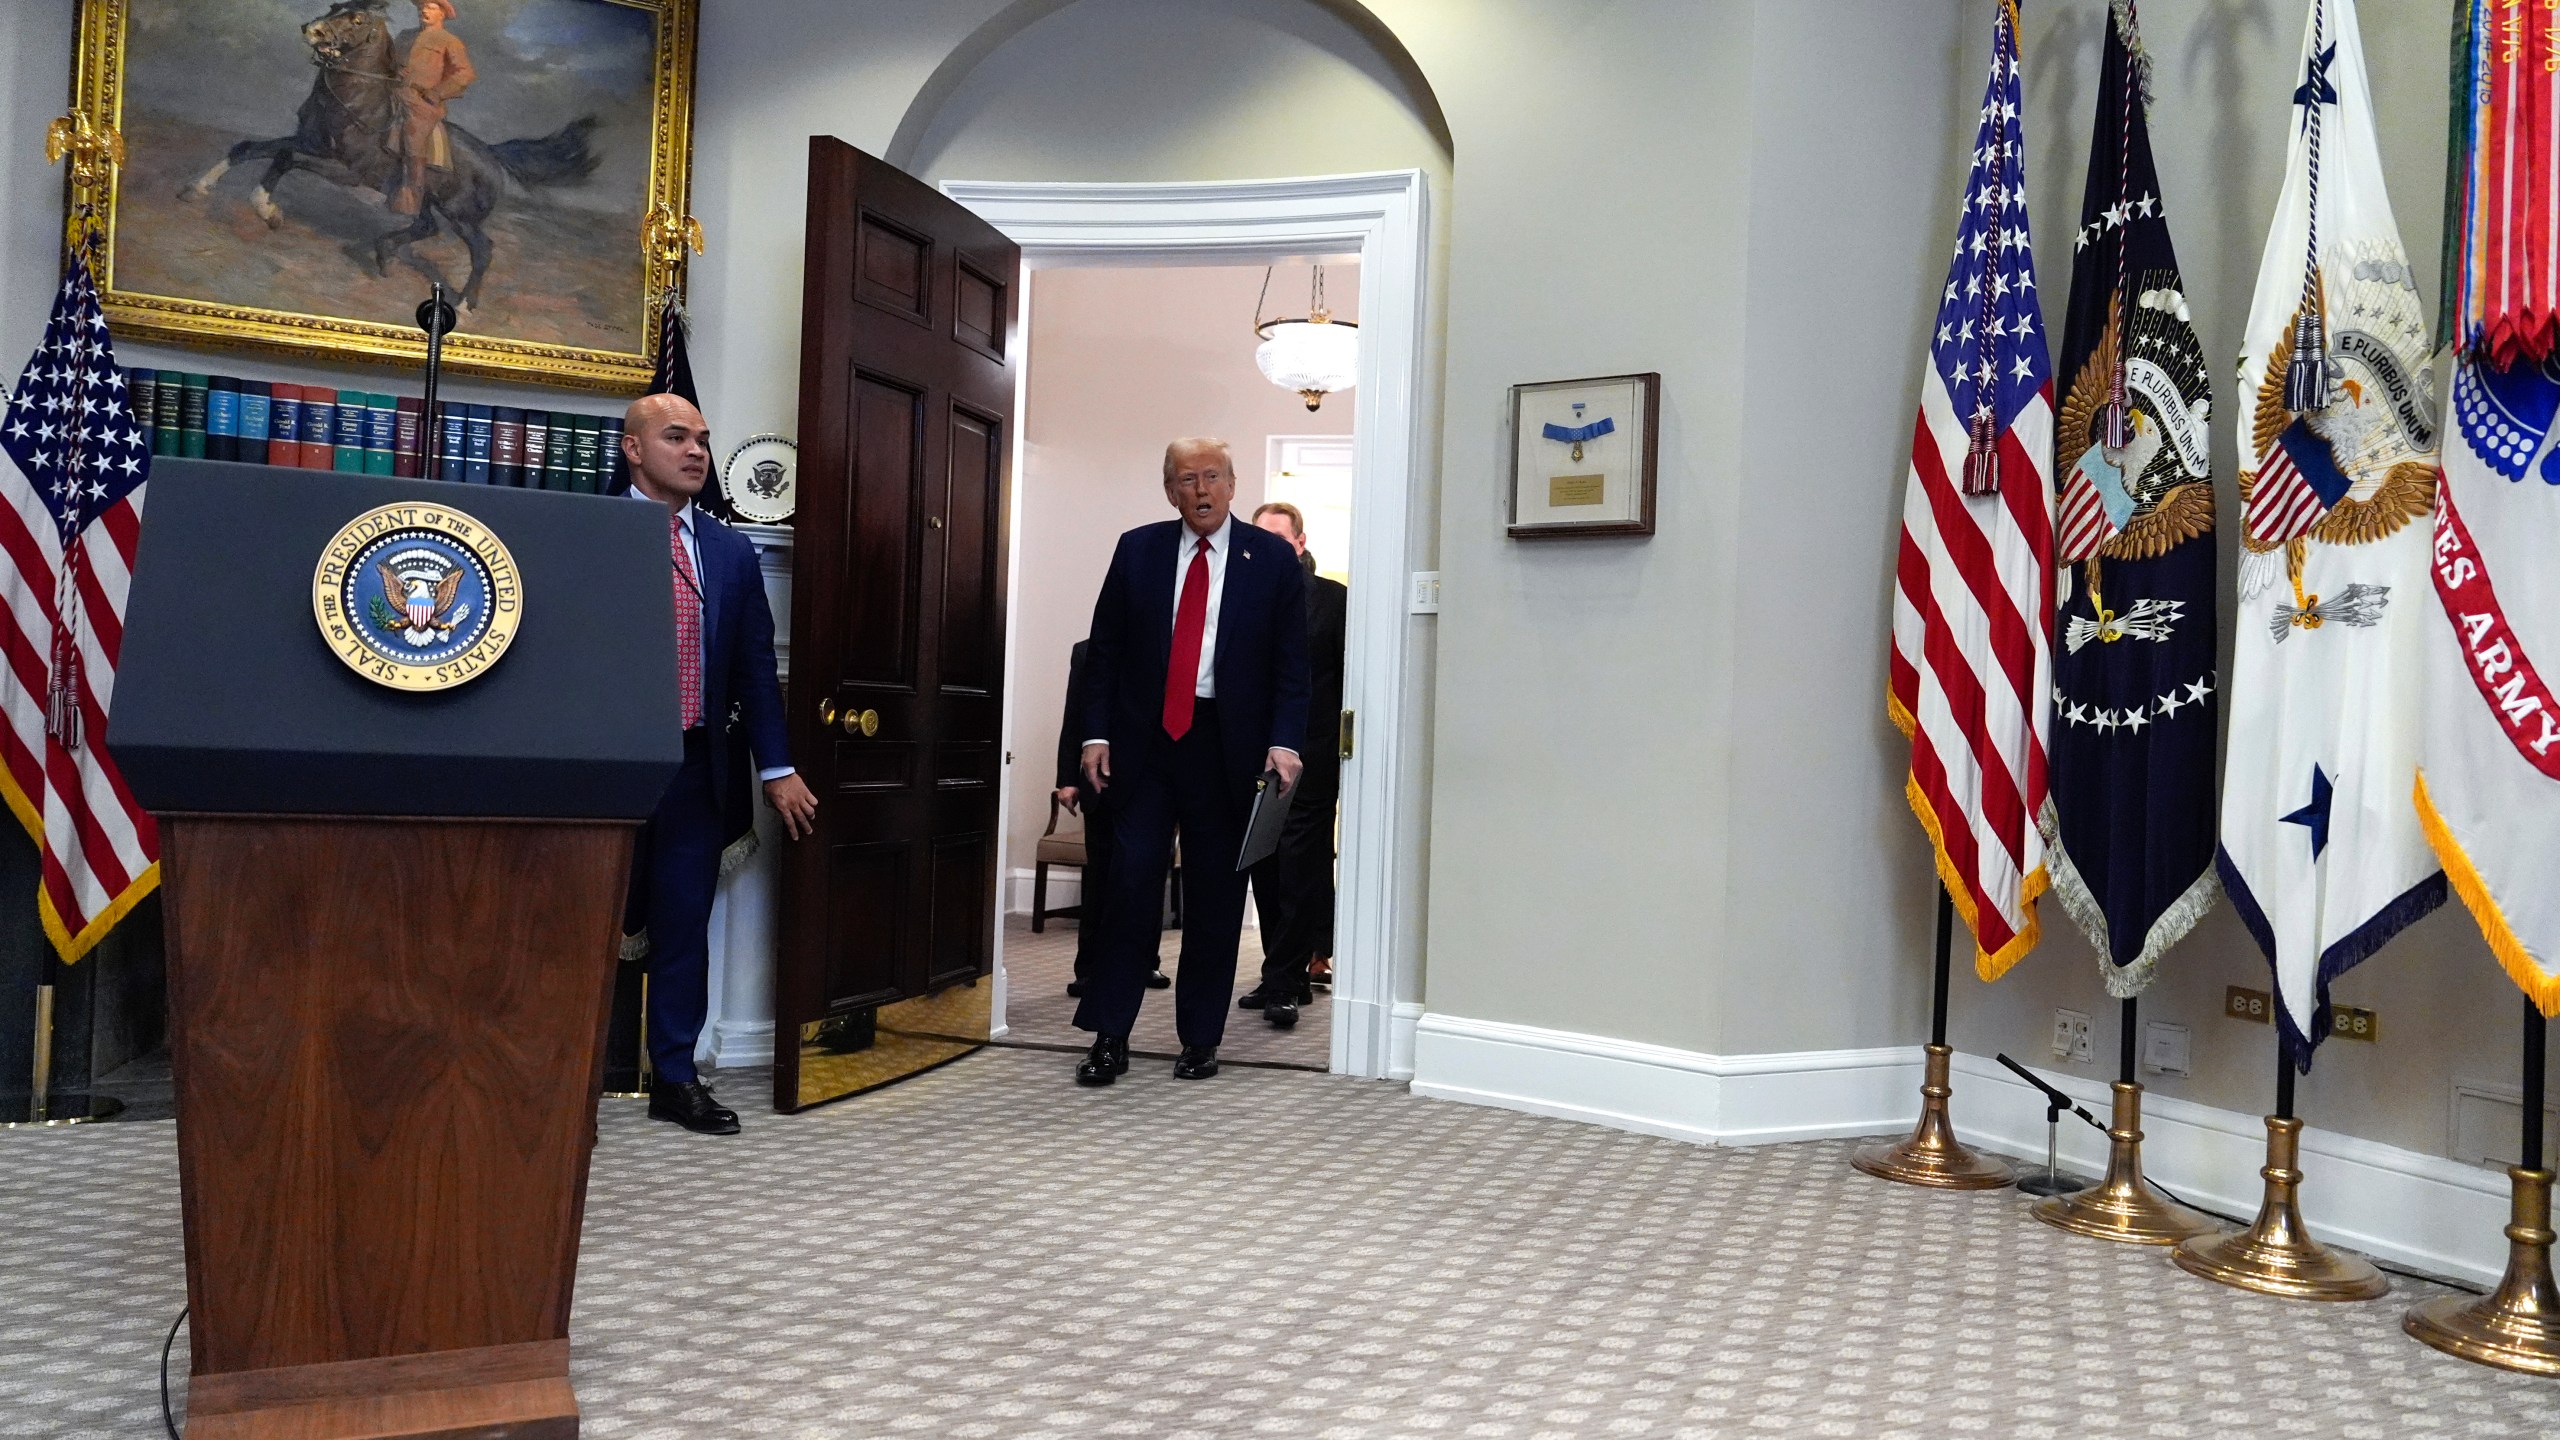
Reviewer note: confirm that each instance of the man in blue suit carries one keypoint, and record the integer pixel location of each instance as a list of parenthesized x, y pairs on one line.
[(1197, 684), (724, 653)]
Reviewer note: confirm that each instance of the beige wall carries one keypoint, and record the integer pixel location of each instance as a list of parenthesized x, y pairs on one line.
[(1121, 362)]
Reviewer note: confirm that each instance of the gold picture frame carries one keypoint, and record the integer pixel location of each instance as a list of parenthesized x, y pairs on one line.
[(588, 341)]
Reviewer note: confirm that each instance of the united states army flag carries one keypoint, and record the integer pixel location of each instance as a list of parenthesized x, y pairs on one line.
[(2488, 788), (2322, 857)]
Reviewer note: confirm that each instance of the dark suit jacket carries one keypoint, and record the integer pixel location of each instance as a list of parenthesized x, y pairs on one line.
[(1328, 627), (737, 644), (1261, 661), (1070, 738)]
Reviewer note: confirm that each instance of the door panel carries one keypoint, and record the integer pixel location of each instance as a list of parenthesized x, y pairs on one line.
[(896, 704)]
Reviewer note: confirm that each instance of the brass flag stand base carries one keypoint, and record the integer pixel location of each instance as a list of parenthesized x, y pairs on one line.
[(2517, 1328), (2276, 1255), (39, 1106), (1932, 1155), (2123, 1207)]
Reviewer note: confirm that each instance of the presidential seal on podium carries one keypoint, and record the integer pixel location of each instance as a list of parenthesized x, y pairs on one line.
[(417, 597)]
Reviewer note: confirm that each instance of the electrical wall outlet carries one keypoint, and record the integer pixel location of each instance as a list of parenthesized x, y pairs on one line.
[(2071, 1037), (2255, 1006), (1426, 592), (2164, 1048), (2354, 1022)]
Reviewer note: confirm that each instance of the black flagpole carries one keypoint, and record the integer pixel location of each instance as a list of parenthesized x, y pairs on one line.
[(2284, 1073), (2536, 1034), (2125, 1047), (1946, 945)]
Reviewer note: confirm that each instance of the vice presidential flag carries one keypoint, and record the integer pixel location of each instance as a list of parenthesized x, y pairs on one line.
[(2134, 699), (2488, 789), (70, 514), (2321, 859), (1971, 671)]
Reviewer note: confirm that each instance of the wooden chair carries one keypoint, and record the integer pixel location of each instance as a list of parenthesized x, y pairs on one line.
[(1068, 849)]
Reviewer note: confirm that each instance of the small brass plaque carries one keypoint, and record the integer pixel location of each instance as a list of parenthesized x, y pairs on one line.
[(1563, 490), (2245, 1004)]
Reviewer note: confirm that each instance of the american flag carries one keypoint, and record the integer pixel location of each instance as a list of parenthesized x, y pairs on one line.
[(1973, 606), (70, 512), (2297, 483)]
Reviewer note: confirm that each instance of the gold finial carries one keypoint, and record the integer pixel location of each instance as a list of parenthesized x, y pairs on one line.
[(95, 149), (667, 236)]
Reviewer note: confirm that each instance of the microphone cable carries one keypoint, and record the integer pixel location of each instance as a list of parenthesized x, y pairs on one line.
[(168, 1420)]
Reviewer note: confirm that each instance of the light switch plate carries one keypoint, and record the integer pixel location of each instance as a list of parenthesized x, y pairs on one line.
[(1426, 592), (2164, 1048)]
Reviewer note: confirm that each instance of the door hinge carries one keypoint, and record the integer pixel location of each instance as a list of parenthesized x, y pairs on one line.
[(1349, 717)]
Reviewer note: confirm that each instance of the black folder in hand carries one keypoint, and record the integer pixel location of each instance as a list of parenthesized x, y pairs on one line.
[(1262, 829)]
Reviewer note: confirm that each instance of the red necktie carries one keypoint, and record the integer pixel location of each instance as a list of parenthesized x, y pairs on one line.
[(689, 626), (1190, 621)]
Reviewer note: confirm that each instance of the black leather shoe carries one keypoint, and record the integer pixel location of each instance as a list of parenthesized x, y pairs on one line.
[(690, 1105), (1282, 1013), (1198, 1062), (1075, 989), (1158, 980), (1307, 992), (1252, 999), (1107, 1061)]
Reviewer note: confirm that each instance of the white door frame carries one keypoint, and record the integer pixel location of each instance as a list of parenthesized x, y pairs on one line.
[(1385, 218)]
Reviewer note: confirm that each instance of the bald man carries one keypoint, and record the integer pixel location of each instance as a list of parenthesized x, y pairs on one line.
[(724, 653), (1198, 685)]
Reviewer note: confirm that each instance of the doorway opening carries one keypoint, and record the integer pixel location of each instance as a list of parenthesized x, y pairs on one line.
[(1119, 361), (1376, 224)]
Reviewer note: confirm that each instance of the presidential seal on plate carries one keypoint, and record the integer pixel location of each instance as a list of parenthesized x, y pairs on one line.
[(417, 597), (761, 478)]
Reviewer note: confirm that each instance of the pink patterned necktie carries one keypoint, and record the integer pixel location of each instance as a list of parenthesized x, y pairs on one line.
[(688, 625)]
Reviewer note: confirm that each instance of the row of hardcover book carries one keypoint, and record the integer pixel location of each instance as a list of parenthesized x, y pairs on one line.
[(312, 427)]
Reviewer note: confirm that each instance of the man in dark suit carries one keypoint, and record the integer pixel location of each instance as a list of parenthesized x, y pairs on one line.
[(724, 651), (1094, 885), (1198, 683), (1293, 889)]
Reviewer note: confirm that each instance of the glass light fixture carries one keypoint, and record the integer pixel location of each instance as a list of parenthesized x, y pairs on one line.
[(1314, 354)]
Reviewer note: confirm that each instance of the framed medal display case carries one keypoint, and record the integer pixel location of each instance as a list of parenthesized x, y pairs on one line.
[(1583, 454)]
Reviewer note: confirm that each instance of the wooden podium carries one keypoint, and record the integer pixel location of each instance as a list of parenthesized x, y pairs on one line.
[(392, 922)]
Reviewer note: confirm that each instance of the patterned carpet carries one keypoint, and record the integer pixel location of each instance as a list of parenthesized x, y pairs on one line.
[(1038, 1012), (987, 1251)]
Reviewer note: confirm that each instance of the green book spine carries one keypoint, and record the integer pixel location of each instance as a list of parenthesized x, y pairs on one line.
[(346, 440), (586, 452), (165, 407), (381, 433), (192, 409), (559, 439)]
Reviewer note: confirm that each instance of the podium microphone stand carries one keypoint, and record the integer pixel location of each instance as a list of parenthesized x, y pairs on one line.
[(2276, 1255), (1931, 1155), (2123, 1207), (2518, 1328)]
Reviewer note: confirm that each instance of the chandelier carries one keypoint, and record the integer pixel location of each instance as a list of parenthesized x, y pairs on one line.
[(1314, 355)]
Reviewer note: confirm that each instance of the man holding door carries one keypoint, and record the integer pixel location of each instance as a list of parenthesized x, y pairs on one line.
[(1198, 683), (724, 651)]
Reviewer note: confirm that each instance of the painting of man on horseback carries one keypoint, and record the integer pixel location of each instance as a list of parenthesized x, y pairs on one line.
[(329, 164)]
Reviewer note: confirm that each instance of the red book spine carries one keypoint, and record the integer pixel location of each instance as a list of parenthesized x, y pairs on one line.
[(405, 439)]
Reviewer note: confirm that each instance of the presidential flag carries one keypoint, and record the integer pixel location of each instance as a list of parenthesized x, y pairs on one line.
[(2321, 857), (1971, 673), (2130, 828), (72, 513), (2488, 788)]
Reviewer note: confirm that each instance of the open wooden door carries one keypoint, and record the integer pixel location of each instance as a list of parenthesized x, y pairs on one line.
[(897, 630)]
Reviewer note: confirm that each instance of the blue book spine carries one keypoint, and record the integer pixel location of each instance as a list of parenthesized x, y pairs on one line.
[(476, 439), (612, 477), (450, 461), (256, 410), (222, 419)]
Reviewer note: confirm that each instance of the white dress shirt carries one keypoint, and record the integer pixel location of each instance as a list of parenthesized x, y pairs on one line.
[(693, 557)]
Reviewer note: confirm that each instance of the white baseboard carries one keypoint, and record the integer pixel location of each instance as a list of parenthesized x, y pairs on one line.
[(2424, 1212), (1401, 1024), (1659, 1090), (1066, 887), (735, 1043)]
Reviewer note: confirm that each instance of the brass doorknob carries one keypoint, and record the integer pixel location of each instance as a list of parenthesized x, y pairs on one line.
[(864, 723), (827, 712)]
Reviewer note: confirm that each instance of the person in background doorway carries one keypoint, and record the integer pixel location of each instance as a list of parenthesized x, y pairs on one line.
[(1094, 885), (1293, 889), (724, 650), (1197, 684)]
